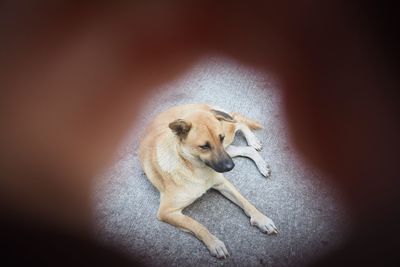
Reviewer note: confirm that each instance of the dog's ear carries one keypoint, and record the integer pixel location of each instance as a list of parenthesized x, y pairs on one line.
[(180, 127), (220, 115)]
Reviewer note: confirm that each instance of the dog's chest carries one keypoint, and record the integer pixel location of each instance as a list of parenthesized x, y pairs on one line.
[(195, 186), (203, 179)]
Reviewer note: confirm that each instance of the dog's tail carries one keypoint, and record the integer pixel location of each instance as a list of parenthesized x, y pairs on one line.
[(252, 124)]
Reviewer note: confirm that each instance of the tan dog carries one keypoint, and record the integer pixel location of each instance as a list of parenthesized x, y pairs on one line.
[(184, 152)]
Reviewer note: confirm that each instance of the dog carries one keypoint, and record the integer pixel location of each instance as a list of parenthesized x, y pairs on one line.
[(184, 152)]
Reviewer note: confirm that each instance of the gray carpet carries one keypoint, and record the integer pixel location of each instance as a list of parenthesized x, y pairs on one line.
[(306, 210)]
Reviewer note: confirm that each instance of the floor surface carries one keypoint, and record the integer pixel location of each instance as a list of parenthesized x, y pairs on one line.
[(304, 207)]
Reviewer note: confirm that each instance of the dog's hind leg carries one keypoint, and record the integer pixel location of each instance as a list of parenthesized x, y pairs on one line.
[(250, 137), (246, 125), (170, 214), (250, 152)]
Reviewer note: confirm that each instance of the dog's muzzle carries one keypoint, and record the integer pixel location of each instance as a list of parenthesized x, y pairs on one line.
[(224, 165)]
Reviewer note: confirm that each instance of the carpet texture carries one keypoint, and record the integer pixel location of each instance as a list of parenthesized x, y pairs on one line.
[(304, 207)]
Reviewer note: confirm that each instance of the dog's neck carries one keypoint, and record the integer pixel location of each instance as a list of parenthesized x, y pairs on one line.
[(188, 158)]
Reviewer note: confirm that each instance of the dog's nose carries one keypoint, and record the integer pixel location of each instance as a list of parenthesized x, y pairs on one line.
[(224, 165), (228, 165)]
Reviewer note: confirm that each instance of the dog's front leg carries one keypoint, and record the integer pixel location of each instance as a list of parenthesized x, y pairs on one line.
[(258, 219), (173, 216)]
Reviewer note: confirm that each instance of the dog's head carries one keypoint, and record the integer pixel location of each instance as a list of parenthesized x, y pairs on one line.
[(201, 137)]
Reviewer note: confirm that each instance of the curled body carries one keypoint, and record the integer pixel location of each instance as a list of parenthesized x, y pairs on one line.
[(185, 151)]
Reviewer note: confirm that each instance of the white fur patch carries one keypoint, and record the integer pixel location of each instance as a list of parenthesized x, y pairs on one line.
[(167, 158)]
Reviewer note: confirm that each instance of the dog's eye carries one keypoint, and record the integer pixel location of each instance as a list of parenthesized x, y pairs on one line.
[(221, 138), (205, 146)]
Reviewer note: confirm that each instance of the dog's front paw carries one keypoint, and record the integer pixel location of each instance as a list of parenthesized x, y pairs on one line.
[(217, 249), (265, 224)]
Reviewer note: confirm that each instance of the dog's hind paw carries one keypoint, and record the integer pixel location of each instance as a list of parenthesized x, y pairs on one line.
[(255, 143), (265, 224), (217, 249), (261, 164), (264, 169)]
